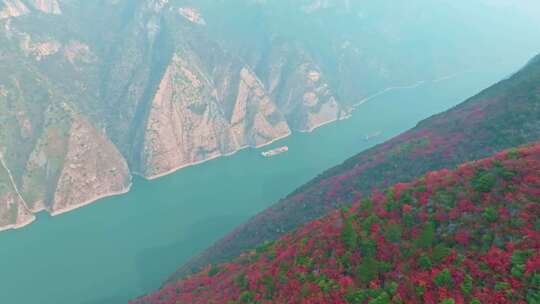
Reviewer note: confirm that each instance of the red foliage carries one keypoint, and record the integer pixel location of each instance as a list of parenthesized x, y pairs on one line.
[(423, 251)]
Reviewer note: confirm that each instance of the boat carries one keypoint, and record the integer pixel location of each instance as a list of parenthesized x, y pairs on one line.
[(275, 151), (372, 136)]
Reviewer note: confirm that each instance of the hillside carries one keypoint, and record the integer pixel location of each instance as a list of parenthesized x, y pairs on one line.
[(93, 92), (471, 235), (502, 116)]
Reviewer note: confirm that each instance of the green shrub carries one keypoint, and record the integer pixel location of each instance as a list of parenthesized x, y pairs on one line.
[(247, 297), (368, 270), (425, 239), (368, 248), (349, 235), (382, 298), (443, 278), (483, 181), (357, 296), (440, 252), (467, 285), (393, 233), (490, 214), (213, 271), (424, 261)]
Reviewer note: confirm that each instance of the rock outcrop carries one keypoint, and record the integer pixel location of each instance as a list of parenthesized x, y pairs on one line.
[(192, 15), (187, 124), (152, 86), (47, 6), (39, 50), (93, 169), (12, 8)]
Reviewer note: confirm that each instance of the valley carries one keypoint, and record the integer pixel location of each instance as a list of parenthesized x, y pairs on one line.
[(197, 131), (125, 246)]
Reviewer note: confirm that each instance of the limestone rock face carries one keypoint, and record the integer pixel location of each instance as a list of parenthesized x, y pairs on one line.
[(318, 106), (301, 90), (187, 124), (192, 15), (76, 51), (92, 92), (47, 6), (93, 168), (255, 119), (46, 161), (39, 50), (12, 8)]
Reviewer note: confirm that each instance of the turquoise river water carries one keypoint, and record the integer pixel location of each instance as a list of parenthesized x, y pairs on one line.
[(125, 246)]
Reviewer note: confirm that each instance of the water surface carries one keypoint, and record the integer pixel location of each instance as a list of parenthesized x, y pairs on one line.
[(125, 246)]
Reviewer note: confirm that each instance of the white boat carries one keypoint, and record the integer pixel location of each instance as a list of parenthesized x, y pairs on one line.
[(372, 136), (275, 151)]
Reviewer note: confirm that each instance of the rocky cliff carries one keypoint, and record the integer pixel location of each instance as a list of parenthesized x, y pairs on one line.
[(12, 8), (187, 124), (93, 92)]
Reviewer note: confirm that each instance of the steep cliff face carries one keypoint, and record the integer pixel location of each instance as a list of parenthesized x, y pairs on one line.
[(306, 98), (16, 8), (56, 158), (160, 85), (93, 168), (12, 8), (71, 164), (187, 123), (47, 6)]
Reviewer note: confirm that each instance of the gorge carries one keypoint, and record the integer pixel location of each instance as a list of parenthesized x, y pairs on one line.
[(153, 114), (149, 87), (126, 246)]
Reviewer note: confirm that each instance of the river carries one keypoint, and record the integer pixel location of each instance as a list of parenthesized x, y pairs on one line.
[(124, 246)]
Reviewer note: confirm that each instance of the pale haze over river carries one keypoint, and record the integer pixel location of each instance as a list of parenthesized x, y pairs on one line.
[(125, 246)]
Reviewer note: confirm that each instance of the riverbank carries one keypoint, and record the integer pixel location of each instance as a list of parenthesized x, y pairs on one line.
[(130, 244), (218, 155), (91, 201), (415, 85), (20, 225)]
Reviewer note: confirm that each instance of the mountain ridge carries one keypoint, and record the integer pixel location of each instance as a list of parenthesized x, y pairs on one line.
[(468, 235), (173, 83), (499, 117)]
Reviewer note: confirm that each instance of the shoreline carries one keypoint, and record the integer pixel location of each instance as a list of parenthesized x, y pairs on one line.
[(91, 201), (315, 127), (310, 130), (390, 89), (175, 169), (33, 217), (19, 225)]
